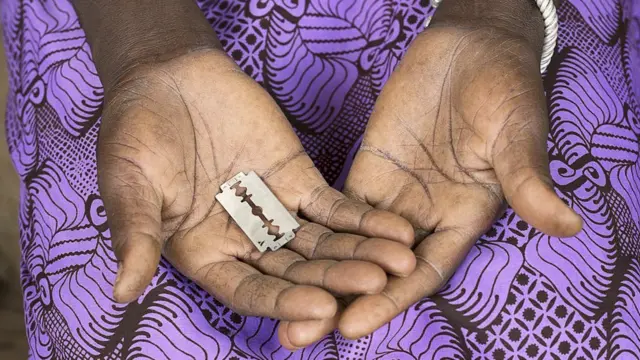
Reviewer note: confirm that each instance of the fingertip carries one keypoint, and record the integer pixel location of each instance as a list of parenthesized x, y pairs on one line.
[(566, 223), (406, 233), (119, 294), (376, 281), (131, 284), (140, 259), (325, 305), (283, 337), (539, 205), (387, 225), (300, 334), (405, 267), (379, 309), (127, 289), (404, 261), (578, 224), (397, 259), (121, 297)]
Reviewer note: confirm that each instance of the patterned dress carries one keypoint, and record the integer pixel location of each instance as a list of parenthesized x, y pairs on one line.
[(519, 294)]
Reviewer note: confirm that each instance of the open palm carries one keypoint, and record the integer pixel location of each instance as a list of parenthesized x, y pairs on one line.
[(172, 133), (460, 127)]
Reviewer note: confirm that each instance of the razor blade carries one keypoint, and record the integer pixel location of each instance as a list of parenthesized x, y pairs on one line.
[(257, 211)]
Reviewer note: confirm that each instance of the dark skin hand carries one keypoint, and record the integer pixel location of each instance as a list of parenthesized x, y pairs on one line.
[(159, 168), (165, 148), (179, 120), (458, 133)]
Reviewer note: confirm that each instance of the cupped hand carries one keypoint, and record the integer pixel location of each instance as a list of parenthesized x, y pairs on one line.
[(171, 134), (459, 128)]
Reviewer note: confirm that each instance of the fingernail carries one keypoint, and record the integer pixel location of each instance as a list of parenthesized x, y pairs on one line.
[(116, 286), (118, 274)]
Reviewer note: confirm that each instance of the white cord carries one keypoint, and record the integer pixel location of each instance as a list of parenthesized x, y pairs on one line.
[(548, 10)]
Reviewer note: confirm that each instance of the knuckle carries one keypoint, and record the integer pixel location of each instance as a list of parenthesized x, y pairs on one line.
[(428, 269), (321, 240), (392, 299)]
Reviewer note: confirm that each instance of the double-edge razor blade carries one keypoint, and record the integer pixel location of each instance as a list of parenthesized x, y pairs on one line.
[(255, 209)]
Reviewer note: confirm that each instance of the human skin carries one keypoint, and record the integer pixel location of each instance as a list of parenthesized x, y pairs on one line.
[(458, 132), (467, 119), (180, 119)]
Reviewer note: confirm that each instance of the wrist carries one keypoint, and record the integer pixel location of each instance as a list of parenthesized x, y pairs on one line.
[(125, 34), (518, 18), (157, 47)]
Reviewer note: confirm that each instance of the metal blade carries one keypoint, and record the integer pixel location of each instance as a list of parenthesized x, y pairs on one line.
[(241, 211)]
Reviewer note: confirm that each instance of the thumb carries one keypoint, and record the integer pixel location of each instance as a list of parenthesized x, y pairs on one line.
[(134, 216), (521, 164)]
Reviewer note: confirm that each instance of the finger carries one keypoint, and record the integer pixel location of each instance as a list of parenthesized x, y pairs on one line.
[(329, 207), (295, 335), (438, 257), (248, 292), (133, 212), (363, 277), (299, 334), (315, 241), (521, 163)]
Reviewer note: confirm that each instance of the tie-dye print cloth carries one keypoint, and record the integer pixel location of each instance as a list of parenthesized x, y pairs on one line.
[(519, 294)]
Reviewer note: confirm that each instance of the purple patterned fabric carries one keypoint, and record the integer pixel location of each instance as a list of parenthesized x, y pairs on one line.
[(519, 295)]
